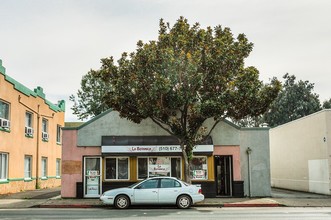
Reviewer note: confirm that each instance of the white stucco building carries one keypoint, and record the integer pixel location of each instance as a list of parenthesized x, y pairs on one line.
[(301, 154)]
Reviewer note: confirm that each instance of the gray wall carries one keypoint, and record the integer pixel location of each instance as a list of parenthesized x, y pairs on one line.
[(112, 124), (258, 141)]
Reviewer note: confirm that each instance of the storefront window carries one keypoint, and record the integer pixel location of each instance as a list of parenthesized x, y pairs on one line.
[(198, 167), (159, 166), (117, 168)]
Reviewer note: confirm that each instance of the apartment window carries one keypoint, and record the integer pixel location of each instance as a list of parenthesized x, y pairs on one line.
[(117, 168), (58, 134), (159, 166), (199, 169), (4, 110), (28, 167), (44, 167), (3, 166), (4, 115), (28, 124), (58, 167), (44, 130)]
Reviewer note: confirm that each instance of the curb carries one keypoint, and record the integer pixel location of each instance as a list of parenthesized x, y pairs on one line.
[(68, 206), (252, 205), (226, 205)]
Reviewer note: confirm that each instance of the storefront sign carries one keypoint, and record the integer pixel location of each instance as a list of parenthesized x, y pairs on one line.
[(159, 168), (153, 149), (198, 174)]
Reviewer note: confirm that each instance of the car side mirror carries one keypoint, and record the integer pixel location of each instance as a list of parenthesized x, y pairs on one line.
[(138, 187)]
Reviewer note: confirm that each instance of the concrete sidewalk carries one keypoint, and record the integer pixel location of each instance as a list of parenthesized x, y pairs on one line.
[(50, 198)]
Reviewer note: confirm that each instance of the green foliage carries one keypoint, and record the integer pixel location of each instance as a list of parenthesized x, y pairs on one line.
[(89, 101), (256, 121), (294, 101), (185, 77), (327, 104)]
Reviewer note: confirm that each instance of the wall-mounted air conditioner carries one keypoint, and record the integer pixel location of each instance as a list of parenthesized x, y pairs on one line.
[(4, 123), (29, 131), (44, 135)]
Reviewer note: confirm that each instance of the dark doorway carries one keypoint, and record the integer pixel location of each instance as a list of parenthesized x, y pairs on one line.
[(223, 174)]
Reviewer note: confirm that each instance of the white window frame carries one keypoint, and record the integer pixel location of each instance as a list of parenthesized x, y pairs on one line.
[(58, 134), (116, 179), (58, 167), (28, 170), (171, 157), (206, 158), (8, 113), (44, 167), (28, 121), (4, 166), (44, 127), (89, 187)]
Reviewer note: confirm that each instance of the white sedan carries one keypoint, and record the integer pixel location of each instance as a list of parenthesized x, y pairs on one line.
[(156, 190)]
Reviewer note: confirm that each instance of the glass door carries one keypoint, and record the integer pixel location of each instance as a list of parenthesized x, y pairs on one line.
[(92, 177)]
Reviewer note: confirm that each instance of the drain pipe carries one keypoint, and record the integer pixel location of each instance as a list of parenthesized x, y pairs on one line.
[(249, 151)]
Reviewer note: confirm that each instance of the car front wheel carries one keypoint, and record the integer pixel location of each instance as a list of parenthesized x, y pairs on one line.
[(122, 202), (184, 202)]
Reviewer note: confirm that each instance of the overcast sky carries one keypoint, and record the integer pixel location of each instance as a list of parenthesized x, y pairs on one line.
[(53, 43)]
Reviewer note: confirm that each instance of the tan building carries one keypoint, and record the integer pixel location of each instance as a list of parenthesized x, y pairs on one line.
[(301, 154), (30, 137)]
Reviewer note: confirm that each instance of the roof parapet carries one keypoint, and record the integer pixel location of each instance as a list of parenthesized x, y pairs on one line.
[(2, 68)]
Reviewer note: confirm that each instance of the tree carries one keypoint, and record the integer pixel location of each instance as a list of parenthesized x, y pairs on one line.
[(256, 121), (327, 104), (294, 101), (89, 101), (187, 76)]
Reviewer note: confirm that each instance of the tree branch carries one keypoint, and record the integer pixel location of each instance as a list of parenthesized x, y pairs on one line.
[(156, 121)]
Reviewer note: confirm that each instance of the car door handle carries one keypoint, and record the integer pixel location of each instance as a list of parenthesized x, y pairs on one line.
[(154, 191)]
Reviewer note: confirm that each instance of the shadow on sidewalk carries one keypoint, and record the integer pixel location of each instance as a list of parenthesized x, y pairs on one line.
[(34, 194)]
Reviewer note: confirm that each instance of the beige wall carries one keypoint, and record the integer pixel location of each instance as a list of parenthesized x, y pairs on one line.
[(300, 154), (17, 145)]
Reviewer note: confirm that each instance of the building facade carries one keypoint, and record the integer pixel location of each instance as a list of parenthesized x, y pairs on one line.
[(30, 137), (109, 152), (301, 154)]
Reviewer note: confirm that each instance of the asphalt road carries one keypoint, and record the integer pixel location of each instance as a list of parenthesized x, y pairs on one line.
[(282, 213)]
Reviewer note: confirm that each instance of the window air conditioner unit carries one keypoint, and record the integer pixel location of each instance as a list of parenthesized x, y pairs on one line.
[(28, 131), (4, 123), (44, 135)]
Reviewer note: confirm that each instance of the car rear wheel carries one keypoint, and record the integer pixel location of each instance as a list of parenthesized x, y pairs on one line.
[(184, 202), (122, 202)]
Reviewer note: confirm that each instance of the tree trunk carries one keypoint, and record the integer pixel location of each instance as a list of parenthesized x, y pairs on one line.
[(186, 175)]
